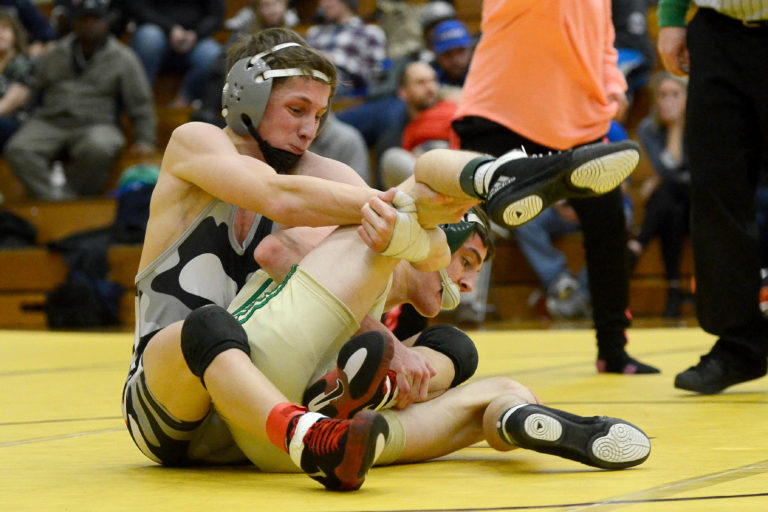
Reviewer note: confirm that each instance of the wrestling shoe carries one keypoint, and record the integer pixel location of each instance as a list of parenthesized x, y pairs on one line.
[(337, 453), (361, 379), (525, 185), (764, 291), (599, 441)]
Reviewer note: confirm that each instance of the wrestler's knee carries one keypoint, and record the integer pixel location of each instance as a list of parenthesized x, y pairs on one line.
[(454, 344), (207, 332)]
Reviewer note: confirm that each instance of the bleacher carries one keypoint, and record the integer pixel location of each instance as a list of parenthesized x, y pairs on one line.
[(27, 274)]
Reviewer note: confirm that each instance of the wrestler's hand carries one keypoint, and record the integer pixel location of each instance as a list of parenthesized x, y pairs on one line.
[(413, 375), (378, 223), (435, 208)]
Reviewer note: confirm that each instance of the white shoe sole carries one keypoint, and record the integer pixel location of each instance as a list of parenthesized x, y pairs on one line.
[(622, 443), (520, 212), (604, 174)]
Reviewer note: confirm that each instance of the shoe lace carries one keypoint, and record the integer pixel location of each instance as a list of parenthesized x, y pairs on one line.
[(325, 436)]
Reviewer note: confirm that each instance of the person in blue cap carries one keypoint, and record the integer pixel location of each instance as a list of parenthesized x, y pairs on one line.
[(452, 43)]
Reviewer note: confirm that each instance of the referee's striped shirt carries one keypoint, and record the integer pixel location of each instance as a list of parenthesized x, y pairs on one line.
[(747, 10)]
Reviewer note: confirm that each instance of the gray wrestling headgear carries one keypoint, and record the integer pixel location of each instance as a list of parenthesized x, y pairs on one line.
[(248, 86)]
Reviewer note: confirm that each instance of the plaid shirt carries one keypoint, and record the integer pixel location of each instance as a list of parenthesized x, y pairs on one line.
[(358, 50)]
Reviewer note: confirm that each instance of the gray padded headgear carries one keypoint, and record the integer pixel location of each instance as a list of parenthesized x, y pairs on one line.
[(248, 86)]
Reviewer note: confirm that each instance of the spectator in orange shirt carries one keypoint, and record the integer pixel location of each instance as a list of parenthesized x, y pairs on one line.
[(549, 83)]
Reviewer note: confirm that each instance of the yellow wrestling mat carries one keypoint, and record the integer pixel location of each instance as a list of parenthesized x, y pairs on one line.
[(64, 447)]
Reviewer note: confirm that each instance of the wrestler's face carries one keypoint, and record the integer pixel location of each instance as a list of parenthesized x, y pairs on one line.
[(465, 264), (293, 113)]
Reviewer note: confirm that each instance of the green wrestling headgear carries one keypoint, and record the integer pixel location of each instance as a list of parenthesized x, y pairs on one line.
[(475, 220)]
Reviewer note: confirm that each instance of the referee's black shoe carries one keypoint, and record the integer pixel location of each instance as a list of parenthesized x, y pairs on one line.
[(718, 370)]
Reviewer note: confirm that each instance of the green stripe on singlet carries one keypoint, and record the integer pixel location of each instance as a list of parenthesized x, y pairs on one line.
[(255, 302)]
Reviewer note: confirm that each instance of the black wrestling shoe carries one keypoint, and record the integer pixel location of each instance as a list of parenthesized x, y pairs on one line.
[(337, 453), (717, 371), (525, 185), (599, 441), (360, 380)]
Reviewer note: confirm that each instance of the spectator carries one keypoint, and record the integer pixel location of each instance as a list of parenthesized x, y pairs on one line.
[(668, 192), (428, 127), (342, 142), (633, 43), (81, 83), (63, 11), (356, 49), (179, 35), (261, 14), (433, 13), (401, 25), (724, 49), (762, 224), (452, 44), (15, 76), (550, 83), (39, 31)]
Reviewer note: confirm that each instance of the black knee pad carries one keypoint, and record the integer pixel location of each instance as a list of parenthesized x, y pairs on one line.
[(456, 345), (207, 332)]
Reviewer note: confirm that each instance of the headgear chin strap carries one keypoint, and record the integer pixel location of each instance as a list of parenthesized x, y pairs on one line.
[(451, 296), (249, 84)]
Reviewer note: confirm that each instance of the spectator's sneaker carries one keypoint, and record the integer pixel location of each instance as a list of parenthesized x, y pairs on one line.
[(717, 371), (524, 186), (337, 453), (599, 441), (359, 381), (623, 363)]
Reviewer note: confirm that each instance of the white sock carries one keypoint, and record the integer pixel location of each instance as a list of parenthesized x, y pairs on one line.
[(483, 178), (503, 420)]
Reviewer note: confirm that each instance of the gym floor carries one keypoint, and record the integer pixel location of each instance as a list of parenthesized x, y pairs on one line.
[(64, 445)]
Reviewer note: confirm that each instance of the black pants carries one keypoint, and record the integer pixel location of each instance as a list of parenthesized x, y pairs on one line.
[(603, 225), (667, 215), (727, 139)]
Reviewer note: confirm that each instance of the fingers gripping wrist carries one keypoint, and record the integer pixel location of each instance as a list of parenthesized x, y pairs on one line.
[(409, 240)]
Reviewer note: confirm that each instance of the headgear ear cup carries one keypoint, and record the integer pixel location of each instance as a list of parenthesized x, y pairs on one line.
[(245, 93), (248, 86)]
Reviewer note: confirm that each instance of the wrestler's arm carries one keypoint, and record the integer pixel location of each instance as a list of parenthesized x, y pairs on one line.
[(203, 155)]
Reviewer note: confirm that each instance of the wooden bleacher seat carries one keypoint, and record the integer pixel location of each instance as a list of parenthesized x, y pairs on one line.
[(513, 280), (29, 273)]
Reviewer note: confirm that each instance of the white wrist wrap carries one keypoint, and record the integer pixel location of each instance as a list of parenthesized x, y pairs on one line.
[(409, 240)]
